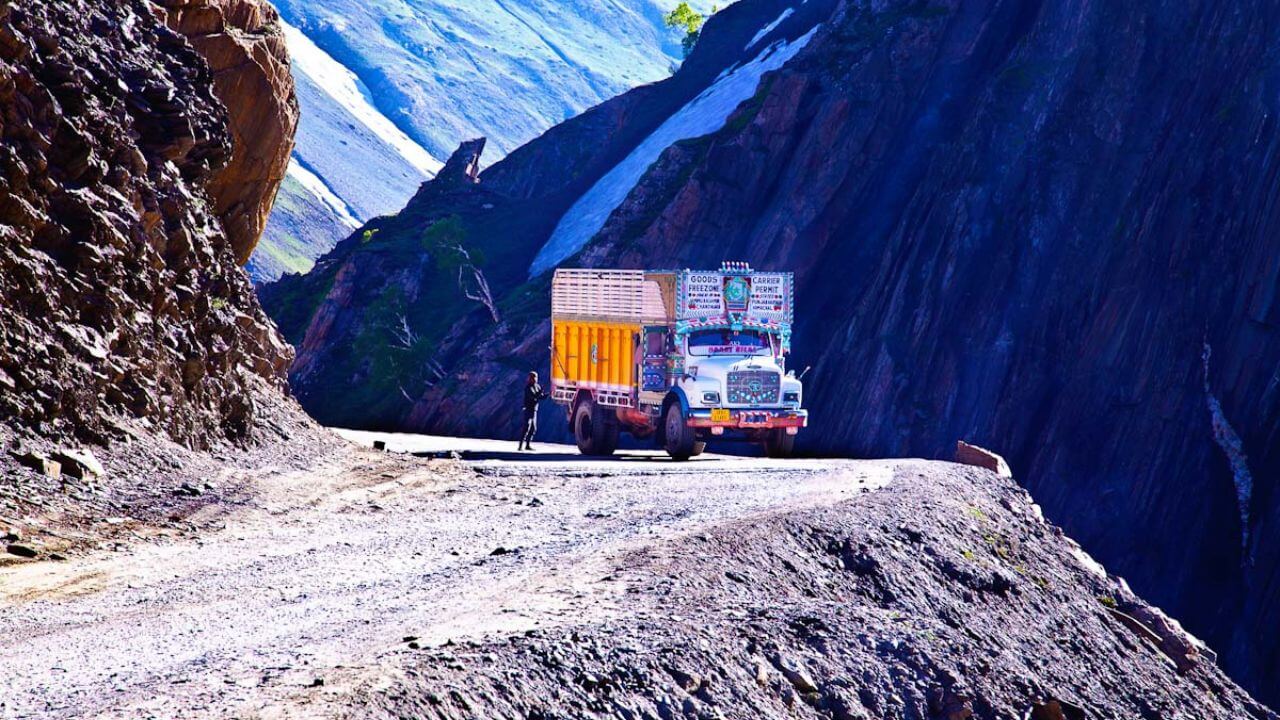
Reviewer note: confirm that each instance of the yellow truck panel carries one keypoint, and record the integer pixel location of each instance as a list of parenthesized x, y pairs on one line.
[(595, 355)]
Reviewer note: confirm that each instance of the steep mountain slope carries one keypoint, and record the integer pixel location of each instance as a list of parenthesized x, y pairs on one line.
[(437, 73), (1048, 227), (351, 163)]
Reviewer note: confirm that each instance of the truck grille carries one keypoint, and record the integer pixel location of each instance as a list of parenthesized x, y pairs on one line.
[(753, 387)]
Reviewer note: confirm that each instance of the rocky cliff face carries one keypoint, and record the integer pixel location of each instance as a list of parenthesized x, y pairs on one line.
[(121, 299), (1048, 227), (243, 42)]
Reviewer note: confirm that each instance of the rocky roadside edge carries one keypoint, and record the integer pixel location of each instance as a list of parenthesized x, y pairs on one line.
[(59, 498), (945, 595)]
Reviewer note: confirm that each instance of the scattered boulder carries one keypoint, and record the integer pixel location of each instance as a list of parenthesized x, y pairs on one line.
[(41, 463), (843, 706), (23, 551), (687, 680), (967, 454), (797, 674), (1163, 632), (188, 490), (762, 673), (952, 704), (79, 464), (1053, 709)]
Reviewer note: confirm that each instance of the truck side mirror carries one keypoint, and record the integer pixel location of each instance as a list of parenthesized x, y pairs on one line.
[(807, 368)]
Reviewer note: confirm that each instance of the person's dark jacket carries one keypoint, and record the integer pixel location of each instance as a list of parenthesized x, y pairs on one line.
[(533, 395)]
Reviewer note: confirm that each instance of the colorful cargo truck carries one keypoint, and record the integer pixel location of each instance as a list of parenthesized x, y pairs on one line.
[(680, 356)]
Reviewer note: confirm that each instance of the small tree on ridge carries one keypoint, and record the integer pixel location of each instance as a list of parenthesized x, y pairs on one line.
[(690, 21)]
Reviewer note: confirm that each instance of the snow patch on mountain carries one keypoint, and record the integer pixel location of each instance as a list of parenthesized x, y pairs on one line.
[(703, 115), (314, 185), (764, 31), (351, 94), (1233, 447)]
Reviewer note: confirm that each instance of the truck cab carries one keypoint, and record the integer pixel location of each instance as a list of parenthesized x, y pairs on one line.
[(685, 357), (736, 384)]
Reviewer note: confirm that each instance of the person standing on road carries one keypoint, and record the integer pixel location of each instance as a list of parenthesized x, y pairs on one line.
[(533, 394)]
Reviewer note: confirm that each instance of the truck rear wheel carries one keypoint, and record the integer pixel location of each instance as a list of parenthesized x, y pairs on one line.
[(778, 444), (595, 429), (680, 438)]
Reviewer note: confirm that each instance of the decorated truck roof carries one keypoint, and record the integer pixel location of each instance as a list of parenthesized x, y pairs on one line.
[(734, 296)]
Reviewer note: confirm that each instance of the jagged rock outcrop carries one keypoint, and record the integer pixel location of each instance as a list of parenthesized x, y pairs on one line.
[(464, 165), (120, 293), (1047, 228), (243, 42)]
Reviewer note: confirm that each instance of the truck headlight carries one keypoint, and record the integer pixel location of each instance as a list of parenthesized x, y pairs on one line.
[(710, 398), (791, 398)]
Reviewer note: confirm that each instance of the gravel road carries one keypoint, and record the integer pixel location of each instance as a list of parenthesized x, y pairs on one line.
[(312, 585)]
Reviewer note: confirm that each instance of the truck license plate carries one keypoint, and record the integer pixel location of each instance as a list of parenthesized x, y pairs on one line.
[(720, 415)]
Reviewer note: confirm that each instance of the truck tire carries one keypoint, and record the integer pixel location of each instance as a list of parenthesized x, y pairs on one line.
[(680, 438), (595, 429), (778, 444)]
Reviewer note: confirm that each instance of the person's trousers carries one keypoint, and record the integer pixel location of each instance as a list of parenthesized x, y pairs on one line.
[(530, 426)]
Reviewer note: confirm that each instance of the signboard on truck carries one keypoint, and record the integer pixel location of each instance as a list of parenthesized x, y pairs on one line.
[(730, 297), (703, 296), (770, 298)]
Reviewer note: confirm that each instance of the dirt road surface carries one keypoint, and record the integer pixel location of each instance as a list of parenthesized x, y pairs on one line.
[(311, 587)]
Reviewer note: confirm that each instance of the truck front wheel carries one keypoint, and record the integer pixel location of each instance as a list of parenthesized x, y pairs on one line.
[(778, 444), (595, 429), (680, 438)]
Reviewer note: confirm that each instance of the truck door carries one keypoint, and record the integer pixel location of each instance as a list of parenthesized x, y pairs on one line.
[(655, 360)]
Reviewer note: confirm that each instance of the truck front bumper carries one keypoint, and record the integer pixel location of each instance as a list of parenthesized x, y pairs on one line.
[(750, 418)]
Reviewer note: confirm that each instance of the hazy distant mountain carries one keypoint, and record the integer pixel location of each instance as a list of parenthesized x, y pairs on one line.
[(389, 86)]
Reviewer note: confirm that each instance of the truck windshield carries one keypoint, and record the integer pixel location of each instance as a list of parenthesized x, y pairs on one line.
[(728, 342)]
